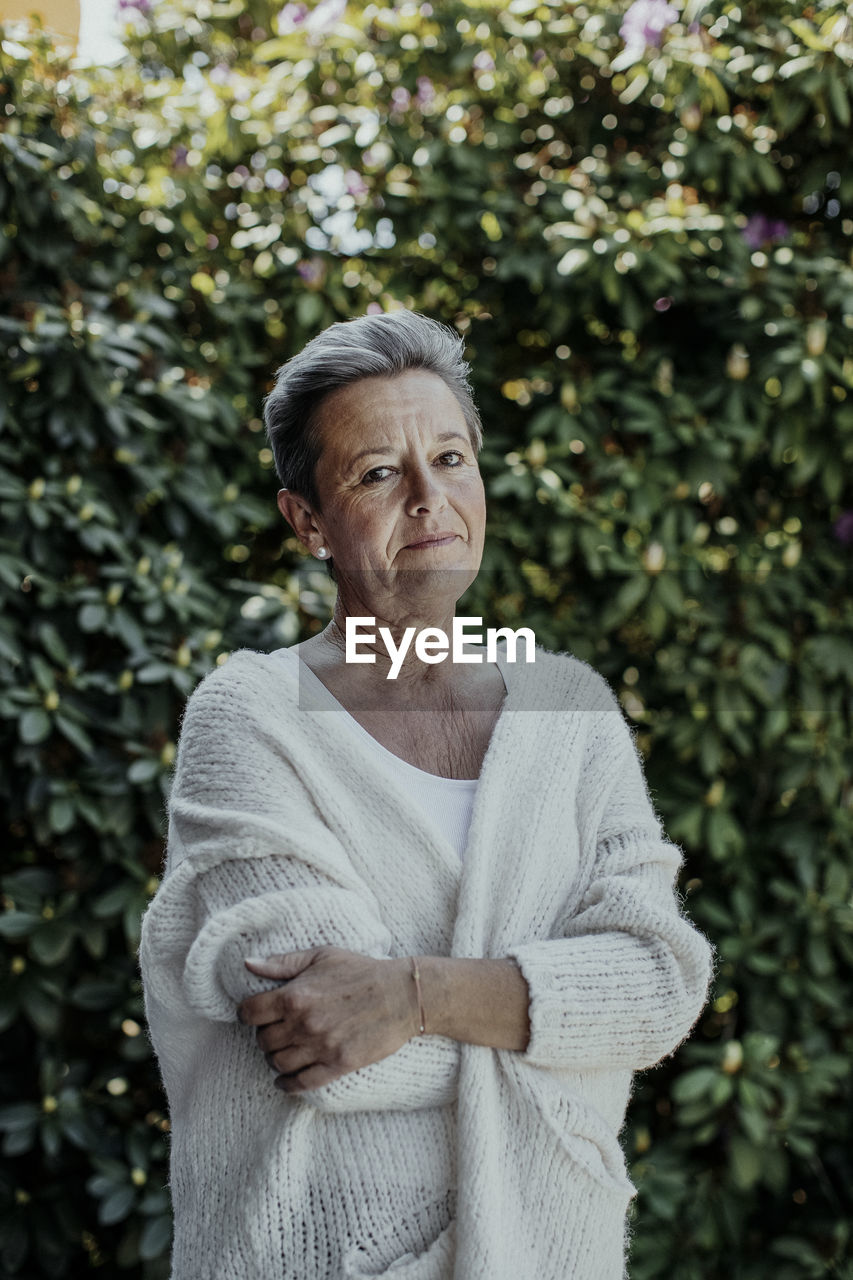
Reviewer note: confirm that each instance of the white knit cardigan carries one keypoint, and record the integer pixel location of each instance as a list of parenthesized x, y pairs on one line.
[(444, 1161)]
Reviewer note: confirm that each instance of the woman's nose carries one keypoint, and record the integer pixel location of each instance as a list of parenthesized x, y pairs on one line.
[(425, 492)]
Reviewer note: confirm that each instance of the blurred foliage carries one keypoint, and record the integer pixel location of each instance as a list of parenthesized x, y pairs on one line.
[(647, 247)]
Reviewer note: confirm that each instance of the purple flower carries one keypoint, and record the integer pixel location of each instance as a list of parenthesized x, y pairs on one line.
[(143, 6), (325, 14), (276, 180), (291, 18), (311, 272), (426, 92), (356, 186), (760, 230), (645, 22), (320, 17), (400, 98), (179, 157), (843, 528), (663, 304)]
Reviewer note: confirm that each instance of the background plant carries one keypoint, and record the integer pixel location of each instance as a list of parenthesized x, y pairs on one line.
[(644, 235)]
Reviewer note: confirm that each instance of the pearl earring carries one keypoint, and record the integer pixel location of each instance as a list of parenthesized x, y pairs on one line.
[(321, 552)]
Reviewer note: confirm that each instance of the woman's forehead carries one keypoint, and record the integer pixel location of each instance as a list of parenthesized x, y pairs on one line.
[(379, 406)]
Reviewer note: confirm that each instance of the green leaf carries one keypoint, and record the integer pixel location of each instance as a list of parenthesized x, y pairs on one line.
[(18, 924), (113, 902), (43, 1011), (722, 833), (832, 655), (629, 596), (838, 98), (801, 1145), (18, 1115), (18, 1143), (51, 1137), (144, 770), (800, 1251), (9, 1009), (43, 673), (9, 648), (53, 643), (156, 1237), (51, 943), (78, 1130), (116, 1206), (694, 1084), (745, 1160), (61, 815), (34, 726), (668, 591), (92, 617), (819, 957), (154, 673), (92, 811), (754, 1124), (763, 964), (97, 994), (77, 736)]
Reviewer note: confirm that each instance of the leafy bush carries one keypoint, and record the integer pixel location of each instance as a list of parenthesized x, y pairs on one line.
[(647, 248)]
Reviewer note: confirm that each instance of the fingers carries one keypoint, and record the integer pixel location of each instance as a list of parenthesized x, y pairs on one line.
[(282, 967), (265, 1007), (287, 1051), (339, 1008), (291, 1045), (275, 1036), (290, 1060), (310, 1078), (257, 1011)]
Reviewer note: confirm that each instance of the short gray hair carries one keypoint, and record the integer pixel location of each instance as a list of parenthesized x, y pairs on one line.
[(383, 345)]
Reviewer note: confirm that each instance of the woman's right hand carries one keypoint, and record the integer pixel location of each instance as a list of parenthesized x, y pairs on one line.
[(335, 1012)]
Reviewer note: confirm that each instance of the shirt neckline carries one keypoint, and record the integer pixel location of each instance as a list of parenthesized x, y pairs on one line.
[(456, 784), (382, 785)]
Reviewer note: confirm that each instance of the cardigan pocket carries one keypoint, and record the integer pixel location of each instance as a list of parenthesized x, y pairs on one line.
[(591, 1143), (421, 1247), (581, 1131)]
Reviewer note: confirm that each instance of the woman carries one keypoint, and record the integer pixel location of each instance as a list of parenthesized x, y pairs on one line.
[(415, 935)]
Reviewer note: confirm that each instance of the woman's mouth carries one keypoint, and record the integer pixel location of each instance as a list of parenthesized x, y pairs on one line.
[(441, 540)]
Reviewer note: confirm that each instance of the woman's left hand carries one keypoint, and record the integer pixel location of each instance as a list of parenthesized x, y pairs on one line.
[(336, 1011)]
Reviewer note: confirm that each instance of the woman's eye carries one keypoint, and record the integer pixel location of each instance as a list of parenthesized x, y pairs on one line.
[(372, 477), (452, 458)]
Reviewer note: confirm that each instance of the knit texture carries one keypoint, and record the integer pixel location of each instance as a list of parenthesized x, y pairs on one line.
[(444, 1161)]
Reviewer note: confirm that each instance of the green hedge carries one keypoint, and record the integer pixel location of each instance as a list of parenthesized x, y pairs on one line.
[(648, 251)]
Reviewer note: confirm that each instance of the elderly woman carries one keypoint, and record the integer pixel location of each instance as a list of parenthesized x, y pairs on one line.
[(415, 935)]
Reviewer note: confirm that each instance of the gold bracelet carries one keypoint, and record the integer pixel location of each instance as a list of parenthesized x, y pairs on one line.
[(417, 977)]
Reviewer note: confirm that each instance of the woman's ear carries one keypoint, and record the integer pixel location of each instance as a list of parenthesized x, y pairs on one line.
[(299, 516), (283, 501)]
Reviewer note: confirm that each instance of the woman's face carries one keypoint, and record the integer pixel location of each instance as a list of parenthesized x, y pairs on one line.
[(403, 505)]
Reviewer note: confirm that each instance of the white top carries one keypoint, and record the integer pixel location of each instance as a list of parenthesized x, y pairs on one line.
[(445, 1160), (449, 801)]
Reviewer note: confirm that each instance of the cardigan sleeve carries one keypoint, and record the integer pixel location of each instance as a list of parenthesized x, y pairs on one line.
[(264, 919), (253, 870), (624, 983)]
